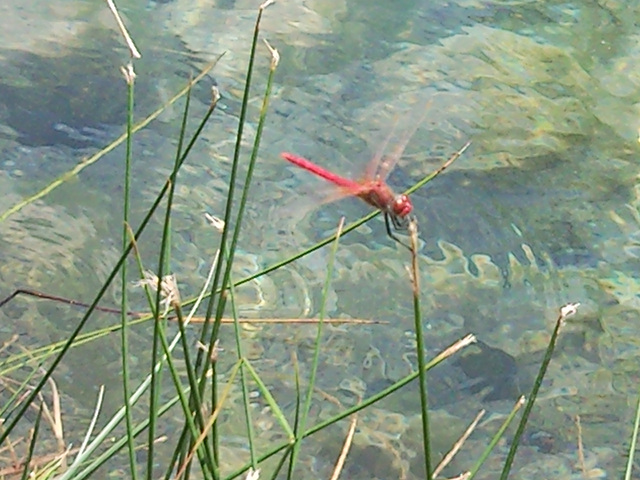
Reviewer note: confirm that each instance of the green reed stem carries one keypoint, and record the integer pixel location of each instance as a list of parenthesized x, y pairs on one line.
[(124, 332), (26, 473), (269, 400), (496, 438), (159, 327), (159, 330), (243, 202), (212, 337), (420, 349), (228, 214), (298, 409), (175, 376), (281, 462), (243, 379), (205, 454), (232, 182), (534, 392), (316, 352)]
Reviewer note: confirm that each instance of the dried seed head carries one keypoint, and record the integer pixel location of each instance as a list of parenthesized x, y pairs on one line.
[(168, 289), (569, 309), (253, 474), (216, 222)]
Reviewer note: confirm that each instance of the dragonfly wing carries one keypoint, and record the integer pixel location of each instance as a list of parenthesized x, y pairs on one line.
[(306, 201), (373, 166), (385, 166), (335, 186)]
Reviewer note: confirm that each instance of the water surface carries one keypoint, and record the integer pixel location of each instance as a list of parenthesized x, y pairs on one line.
[(540, 211)]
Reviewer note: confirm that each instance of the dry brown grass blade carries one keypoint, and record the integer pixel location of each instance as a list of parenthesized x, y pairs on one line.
[(328, 397), (581, 462), (56, 420), (14, 458), (75, 303), (212, 418), (123, 30), (17, 468), (460, 344), (303, 321), (462, 476), (9, 342), (345, 448), (458, 445)]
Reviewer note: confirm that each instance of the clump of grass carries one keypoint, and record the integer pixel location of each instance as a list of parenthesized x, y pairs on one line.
[(200, 391)]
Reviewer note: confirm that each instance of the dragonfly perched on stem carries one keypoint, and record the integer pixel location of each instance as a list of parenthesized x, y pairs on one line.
[(372, 188)]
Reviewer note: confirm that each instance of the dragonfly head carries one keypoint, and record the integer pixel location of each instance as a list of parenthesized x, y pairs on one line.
[(402, 206)]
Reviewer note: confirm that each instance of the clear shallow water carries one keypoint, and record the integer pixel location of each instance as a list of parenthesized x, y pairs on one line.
[(540, 211)]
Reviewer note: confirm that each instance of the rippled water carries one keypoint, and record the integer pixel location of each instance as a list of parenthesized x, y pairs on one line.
[(540, 211)]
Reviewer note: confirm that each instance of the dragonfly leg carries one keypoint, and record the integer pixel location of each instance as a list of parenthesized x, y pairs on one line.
[(398, 225)]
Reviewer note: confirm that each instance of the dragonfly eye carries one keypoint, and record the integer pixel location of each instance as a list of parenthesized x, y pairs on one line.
[(402, 206)]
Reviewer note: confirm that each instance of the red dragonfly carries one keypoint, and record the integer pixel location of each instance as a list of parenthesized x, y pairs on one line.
[(372, 188)]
